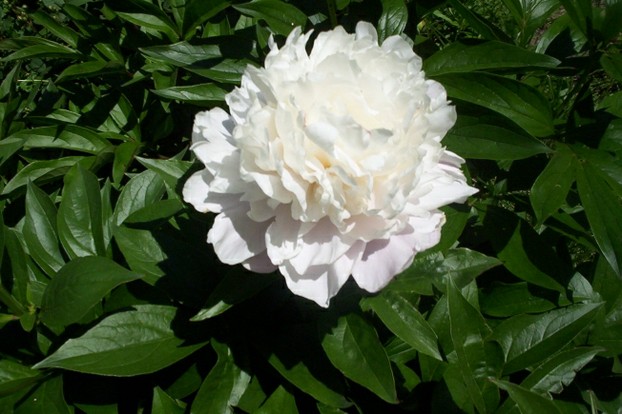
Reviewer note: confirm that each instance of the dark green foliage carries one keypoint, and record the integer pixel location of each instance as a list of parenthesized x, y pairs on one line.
[(111, 301)]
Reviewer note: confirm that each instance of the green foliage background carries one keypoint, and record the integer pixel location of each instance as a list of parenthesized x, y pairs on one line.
[(111, 301)]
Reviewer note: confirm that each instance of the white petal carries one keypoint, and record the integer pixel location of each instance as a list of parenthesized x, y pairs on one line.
[(195, 190), (198, 191), (213, 152), (320, 283), (445, 192), (366, 30), (383, 259), (259, 264), (283, 239), (212, 125), (322, 244), (236, 237)]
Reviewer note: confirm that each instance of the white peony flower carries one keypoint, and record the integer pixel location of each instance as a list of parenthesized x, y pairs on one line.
[(330, 163)]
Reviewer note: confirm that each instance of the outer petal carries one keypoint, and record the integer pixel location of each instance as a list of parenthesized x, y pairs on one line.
[(195, 190), (236, 237), (383, 259), (212, 125), (260, 264), (198, 192), (320, 283), (323, 244)]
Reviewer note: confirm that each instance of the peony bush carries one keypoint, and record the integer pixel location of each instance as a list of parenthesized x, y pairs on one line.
[(272, 206)]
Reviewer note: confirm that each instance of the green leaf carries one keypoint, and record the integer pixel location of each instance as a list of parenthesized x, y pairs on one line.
[(431, 271), (393, 19), (611, 140), (517, 101), (612, 103), (15, 376), (141, 251), (134, 342), (612, 65), (487, 138), (235, 287), (224, 385), (199, 11), (354, 349), (162, 403), (486, 29), (79, 218), (504, 300), (280, 401), (123, 157), (40, 230), (281, 17), (529, 339), (559, 371), (160, 210), (7, 86), (227, 71), (41, 172), (46, 399), (79, 286), (296, 354), (59, 30), (550, 189), (253, 397), (602, 201), (171, 170), (524, 252), (182, 53), (145, 14), (204, 92), (528, 401), (8, 147), (477, 361), (69, 137), (456, 216), (580, 11), (90, 69), (491, 55), (405, 321), (36, 47), (21, 276), (141, 191)]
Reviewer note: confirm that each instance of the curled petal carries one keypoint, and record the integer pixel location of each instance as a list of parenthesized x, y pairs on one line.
[(320, 283), (383, 259), (236, 237)]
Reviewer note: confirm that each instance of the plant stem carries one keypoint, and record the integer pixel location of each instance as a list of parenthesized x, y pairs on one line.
[(13, 305), (332, 12)]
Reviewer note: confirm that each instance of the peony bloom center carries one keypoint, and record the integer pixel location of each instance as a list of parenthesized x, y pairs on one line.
[(329, 164)]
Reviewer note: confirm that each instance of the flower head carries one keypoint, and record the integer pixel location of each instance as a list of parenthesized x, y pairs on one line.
[(329, 163)]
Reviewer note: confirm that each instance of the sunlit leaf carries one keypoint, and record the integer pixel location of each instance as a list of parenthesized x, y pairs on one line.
[(223, 386), (80, 285), (405, 321), (517, 101), (491, 55), (551, 187), (123, 344), (529, 339), (79, 218), (281, 17), (353, 347)]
